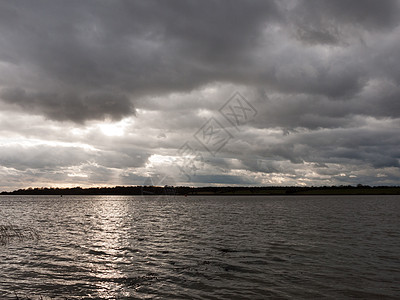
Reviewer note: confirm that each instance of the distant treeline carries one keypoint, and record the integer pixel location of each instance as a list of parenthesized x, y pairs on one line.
[(226, 190)]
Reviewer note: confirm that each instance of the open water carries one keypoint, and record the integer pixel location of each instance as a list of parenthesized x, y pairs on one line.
[(227, 247)]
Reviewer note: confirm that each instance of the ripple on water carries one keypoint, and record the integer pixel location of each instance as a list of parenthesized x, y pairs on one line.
[(201, 248)]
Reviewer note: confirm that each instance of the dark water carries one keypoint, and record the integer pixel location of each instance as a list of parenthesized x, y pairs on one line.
[(201, 247)]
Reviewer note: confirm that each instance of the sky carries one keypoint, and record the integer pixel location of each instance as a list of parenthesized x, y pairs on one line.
[(199, 93)]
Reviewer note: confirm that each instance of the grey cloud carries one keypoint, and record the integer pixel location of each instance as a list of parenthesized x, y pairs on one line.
[(341, 146), (222, 179), (133, 49), (323, 76), (124, 48), (41, 157), (328, 22), (369, 13), (329, 152), (119, 159), (318, 36), (77, 108), (54, 157), (376, 99), (129, 178)]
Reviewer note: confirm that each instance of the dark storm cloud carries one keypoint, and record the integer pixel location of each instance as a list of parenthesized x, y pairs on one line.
[(73, 107), (96, 58), (370, 14), (326, 22), (323, 75), (123, 47), (41, 157), (375, 146)]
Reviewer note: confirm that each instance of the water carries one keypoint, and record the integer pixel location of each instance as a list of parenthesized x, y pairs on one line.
[(244, 247)]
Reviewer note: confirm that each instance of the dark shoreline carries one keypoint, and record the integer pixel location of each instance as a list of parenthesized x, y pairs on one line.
[(212, 191)]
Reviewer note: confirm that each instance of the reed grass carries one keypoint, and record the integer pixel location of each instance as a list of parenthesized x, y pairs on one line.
[(25, 297), (9, 233)]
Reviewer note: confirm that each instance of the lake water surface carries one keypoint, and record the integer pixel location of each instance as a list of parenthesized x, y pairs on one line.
[(239, 247)]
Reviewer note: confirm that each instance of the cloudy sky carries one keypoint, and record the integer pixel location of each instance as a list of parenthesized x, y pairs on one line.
[(104, 93)]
